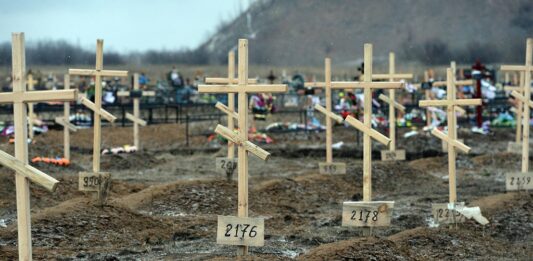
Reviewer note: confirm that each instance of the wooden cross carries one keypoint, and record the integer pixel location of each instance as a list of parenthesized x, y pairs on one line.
[(519, 110), (366, 126), (391, 100), (451, 102), (352, 212), (228, 164), (136, 116), (65, 122), (99, 72), (242, 88), (524, 98), (31, 114), (24, 172), (328, 167)]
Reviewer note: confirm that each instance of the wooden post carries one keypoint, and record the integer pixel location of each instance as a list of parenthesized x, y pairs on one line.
[(21, 149), (98, 73), (518, 82), (527, 69), (243, 133), (329, 125), (66, 118), (231, 101), (242, 88), (367, 142), (392, 113), (97, 124), (31, 114), (428, 96), (451, 102), (452, 134), (136, 112), (24, 172)]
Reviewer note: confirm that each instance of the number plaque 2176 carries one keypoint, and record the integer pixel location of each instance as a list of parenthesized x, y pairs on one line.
[(240, 231)]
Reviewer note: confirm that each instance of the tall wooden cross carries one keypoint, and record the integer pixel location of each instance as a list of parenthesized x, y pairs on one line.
[(457, 109), (228, 164), (451, 102), (136, 94), (392, 153), (328, 167), (97, 181), (242, 88), (65, 122), (382, 209), (524, 98), (24, 172), (31, 114)]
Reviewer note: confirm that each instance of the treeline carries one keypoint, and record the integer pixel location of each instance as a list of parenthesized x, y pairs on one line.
[(63, 53)]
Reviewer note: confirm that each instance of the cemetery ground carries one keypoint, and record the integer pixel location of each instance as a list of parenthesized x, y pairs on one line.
[(165, 199)]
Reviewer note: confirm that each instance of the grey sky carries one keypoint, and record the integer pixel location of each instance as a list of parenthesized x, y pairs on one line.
[(133, 25)]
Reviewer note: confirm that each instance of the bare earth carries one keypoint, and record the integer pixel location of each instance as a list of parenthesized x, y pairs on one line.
[(165, 200)]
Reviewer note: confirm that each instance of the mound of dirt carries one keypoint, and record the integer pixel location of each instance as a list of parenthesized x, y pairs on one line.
[(185, 198), (502, 160), (77, 226), (136, 160)]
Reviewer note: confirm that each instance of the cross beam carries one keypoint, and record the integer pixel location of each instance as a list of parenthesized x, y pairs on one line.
[(242, 88), (234, 88), (227, 110), (103, 113), (236, 139), (25, 173), (395, 104), (527, 69), (98, 73), (358, 85), (451, 103), (366, 130), (66, 124), (328, 114), (457, 83), (227, 80)]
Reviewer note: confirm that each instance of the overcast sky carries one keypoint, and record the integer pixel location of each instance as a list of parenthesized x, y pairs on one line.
[(125, 25)]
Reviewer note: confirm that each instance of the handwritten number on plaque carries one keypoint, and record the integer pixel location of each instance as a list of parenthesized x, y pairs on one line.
[(520, 180), (365, 214), (243, 229), (91, 181)]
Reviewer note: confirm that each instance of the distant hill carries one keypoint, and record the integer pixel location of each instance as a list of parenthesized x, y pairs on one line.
[(303, 32)]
